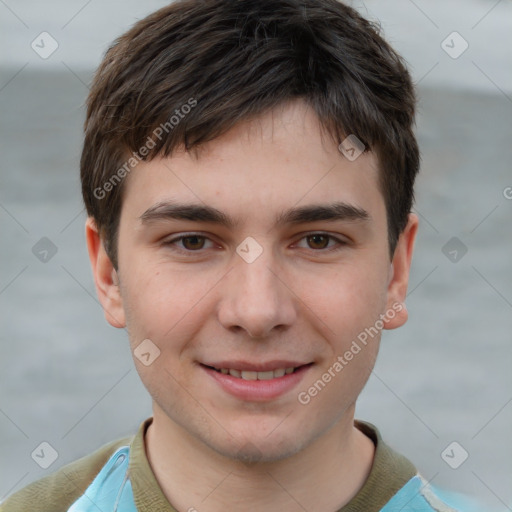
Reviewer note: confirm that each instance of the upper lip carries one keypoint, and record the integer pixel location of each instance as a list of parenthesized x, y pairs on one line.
[(255, 367)]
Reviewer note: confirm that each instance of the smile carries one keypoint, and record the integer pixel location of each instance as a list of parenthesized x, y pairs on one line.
[(252, 375), (257, 383)]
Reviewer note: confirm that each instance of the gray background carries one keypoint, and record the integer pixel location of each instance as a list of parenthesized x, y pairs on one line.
[(67, 377)]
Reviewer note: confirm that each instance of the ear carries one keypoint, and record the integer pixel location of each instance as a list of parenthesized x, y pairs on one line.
[(397, 315), (105, 277)]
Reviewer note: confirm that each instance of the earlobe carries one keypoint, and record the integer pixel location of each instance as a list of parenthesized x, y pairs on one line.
[(105, 277), (396, 313)]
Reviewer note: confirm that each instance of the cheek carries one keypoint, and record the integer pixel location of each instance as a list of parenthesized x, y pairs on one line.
[(162, 306), (346, 300), (349, 308), (165, 304)]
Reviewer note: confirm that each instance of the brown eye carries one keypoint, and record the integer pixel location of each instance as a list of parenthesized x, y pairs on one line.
[(190, 244), (318, 241), (322, 243), (193, 243)]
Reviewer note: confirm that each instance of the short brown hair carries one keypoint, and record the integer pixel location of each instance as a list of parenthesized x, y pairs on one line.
[(230, 60)]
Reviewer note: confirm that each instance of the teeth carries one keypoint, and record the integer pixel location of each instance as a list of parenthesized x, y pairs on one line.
[(251, 375)]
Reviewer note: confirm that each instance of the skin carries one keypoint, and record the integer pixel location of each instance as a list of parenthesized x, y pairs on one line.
[(297, 301)]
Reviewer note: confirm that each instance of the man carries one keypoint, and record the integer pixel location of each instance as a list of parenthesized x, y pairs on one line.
[(248, 172)]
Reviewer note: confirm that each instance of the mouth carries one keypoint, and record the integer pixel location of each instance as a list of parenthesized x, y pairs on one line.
[(251, 382), (254, 375)]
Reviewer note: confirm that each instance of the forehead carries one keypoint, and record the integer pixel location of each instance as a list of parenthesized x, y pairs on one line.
[(271, 162)]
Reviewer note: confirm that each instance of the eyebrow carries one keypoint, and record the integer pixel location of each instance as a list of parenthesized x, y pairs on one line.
[(338, 211)]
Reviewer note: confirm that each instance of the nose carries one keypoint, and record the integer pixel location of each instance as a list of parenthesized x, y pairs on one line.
[(256, 299)]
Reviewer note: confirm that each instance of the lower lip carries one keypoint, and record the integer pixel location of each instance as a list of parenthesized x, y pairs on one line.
[(257, 390)]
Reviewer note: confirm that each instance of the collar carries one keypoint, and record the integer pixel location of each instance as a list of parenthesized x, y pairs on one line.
[(389, 473)]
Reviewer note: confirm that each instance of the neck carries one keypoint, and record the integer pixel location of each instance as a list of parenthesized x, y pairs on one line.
[(324, 476)]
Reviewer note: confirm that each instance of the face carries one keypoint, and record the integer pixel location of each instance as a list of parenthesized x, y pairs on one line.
[(255, 269)]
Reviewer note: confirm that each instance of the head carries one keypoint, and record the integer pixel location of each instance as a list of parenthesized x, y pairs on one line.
[(240, 108)]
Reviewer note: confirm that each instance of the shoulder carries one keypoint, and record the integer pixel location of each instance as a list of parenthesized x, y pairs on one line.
[(58, 491), (418, 494), (394, 484)]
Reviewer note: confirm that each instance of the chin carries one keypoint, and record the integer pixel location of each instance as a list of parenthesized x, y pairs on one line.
[(260, 451), (250, 438), (261, 442)]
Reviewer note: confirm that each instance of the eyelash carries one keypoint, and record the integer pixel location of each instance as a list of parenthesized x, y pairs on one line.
[(173, 241)]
